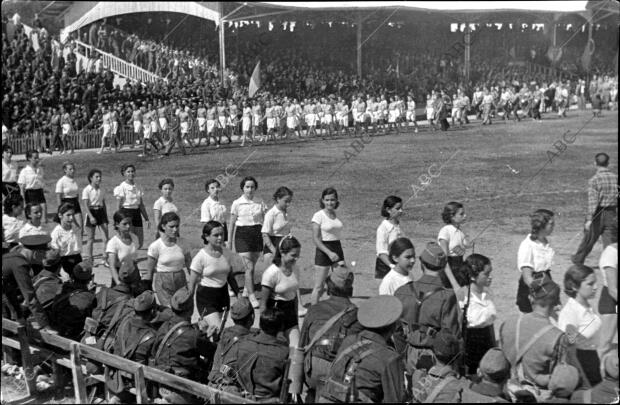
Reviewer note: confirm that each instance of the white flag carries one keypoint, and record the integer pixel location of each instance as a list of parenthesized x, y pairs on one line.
[(254, 81)]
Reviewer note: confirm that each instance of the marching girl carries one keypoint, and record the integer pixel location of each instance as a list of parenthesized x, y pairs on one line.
[(67, 191), (31, 182), (211, 274), (164, 203), (9, 172), (387, 232), (454, 242), (67, 238), (13, 207), (246, 219), (129, 197), (212, 208), (246, 122), (276, 224), (33, 226), (123, 245), (402, 256), (326, 233), (93, 199)]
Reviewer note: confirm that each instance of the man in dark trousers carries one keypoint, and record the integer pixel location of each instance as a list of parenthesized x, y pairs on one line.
[(367, 368), (602, 215), (324, 343)]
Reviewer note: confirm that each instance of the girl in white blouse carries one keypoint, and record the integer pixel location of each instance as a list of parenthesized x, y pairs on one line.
[(579, 321), (67, 238), (454, 242), (212, 208), (276, 224), (535, 256), (123, 245), (9, 172), (246, 220), (13, 207), (129, 197), (164, 203), (387, 232), (481, 311), (31, 182), (326, 230), (67, 191), (33, 226)]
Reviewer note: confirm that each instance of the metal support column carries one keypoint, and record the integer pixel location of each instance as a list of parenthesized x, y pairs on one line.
[(359, 44), (220, 8), (467, 51)]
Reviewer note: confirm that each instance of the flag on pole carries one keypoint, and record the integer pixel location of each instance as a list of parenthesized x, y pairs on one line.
[(254, 81)]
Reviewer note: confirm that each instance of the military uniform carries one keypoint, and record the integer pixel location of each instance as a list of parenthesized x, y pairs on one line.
[(261, 363), (74, 304), (225, 359), (440, 385), (47, 286)]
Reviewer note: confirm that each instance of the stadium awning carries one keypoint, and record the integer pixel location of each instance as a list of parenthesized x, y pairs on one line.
[(86, 12)]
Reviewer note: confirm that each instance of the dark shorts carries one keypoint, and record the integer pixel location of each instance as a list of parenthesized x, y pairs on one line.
[(523, 291), (10, 188), (34, 196), (211, 299), (591, 365), (275, 240), (321, 259), (136, 216), (248, 239), (381, 269), (100, 214), (287, 312), (479, 341), (75, 202)]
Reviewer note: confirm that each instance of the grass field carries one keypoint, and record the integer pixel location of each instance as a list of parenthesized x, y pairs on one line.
[(501, 173)]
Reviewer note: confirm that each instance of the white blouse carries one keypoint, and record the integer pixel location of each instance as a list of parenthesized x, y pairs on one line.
[(131, 194), (481, 311), (276, 223), (584, 320), (212, 210), (535, 254), (248, 212), (387, 233), (68, 187)]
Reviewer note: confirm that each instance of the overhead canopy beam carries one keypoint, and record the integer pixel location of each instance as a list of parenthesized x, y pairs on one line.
[(249, 17)]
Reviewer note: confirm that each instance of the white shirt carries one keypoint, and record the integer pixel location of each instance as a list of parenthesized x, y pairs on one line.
[(212, 210), (331, 229), (283, 287), (29, 229), (168, 258), (67, 242), (481, 311), (132, 194), (11, 227), (392, 282), (214, 271), (584, 320), (609, 258), (67, 187), (120, 249), (454, 236), (164, 206), (95, 196), (535, 254), (276, 223), (31, 179), (248, 212), (387, 233), (9, 172)]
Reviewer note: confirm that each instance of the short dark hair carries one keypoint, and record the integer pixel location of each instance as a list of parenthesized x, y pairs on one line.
[(64, 207), (326, 192), (398, 246), (602, 159), (12, 200), (30, 153), (92, 173), (207, 228), (127, 166), (6, 148), (573, 278), (28, 208), (119, 216), (539, 220), (270, 321), (246, 179), (389, 203), (450, 210), (286, 244), (475, 265), (164, 182), (209, 182), (282, 192), (167, 217)]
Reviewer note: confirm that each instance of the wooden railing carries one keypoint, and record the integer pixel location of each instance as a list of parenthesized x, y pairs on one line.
[(35, 345)]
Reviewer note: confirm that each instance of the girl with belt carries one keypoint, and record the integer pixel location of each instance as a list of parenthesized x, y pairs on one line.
[(246, 219), (387, 232), (535, 256), (122, 245), (67, 238), (129, 197), (67, 191), (93, 200), (168, 260), (276, 224), (31, 182)]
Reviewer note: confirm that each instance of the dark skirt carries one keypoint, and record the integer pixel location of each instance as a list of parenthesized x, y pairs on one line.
[(275, 240), (69, 262), (75, 203), (523, 291), (590, 363), (479, 341), (456, 265), (381, 269), (136, 216), (606, 303), (34, 196), (9, 188), (287, 312), (321, 259), (100, 214), (211, 299), (248, 239)]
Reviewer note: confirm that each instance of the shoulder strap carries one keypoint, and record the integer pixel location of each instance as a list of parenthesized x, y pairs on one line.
[(326, 326), (438, 388), (40, 280), (422, 298), (113, 322), (350, 349), (521, 351), (168, 335)]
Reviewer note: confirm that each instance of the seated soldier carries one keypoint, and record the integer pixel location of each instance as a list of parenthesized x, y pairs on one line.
[(74, 304), (179, 345), (562, 384), (261, 359), (133, 341), (48, 284), (441, 384), (493, 372), (324, 343), (367, 368), (605, 392), (222, 373)]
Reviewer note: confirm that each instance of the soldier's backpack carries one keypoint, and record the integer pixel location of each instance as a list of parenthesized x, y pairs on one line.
[(345, 391), (165, 347), (413, 301)]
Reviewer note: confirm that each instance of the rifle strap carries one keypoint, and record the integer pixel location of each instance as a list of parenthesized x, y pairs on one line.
[(113, 322), (168, 335), (438, 388), (521, 351), (326, 326)]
